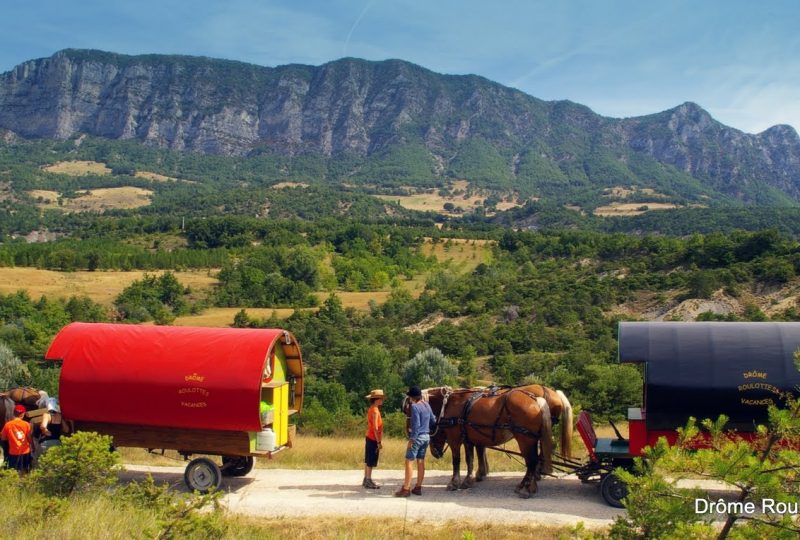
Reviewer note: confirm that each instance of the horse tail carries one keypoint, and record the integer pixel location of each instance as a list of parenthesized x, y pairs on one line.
[(546, 436), (566, 425)]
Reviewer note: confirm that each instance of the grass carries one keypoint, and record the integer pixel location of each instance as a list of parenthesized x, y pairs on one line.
[(312, 452), (78, 168), (392, 528), (101, 287), (434, 202), (155, 177), (631, 209), (95, 200), (460, 255)]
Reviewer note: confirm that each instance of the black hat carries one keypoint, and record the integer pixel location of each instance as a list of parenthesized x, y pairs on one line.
[(414, 392)]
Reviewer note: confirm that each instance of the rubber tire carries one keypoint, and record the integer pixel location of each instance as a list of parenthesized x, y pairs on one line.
[(613, 490), (202, 475), (239, 466)]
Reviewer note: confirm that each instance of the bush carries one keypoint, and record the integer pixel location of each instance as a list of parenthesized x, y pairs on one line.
[(178, 516), (429, 368), (84, 462), (12, 372)]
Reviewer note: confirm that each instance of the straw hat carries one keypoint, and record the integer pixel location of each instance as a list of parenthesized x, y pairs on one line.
[(375, 394)]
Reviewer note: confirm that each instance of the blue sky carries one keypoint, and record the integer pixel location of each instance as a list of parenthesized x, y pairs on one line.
[(740, 60)]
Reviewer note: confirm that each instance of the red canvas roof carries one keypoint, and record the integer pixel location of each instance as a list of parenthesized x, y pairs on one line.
[(204, 378)]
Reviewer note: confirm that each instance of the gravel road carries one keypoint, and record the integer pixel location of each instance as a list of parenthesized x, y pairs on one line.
[(560, 501)]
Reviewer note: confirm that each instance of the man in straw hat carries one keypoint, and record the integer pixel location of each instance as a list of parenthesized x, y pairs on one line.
[(373, 443)]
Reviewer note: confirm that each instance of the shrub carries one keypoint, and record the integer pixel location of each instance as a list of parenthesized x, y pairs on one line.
[(12, 372), (84, 462), (429, 368)]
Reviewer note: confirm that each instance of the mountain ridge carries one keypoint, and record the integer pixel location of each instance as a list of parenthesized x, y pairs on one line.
[(397, 118)]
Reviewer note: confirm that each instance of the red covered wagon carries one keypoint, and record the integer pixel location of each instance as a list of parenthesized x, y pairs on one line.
[(194, 390)]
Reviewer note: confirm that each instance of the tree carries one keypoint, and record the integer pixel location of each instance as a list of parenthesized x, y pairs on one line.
[(13, 373), (429, 368)]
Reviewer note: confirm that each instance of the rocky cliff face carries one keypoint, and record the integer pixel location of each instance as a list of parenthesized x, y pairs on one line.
[(355, 107)]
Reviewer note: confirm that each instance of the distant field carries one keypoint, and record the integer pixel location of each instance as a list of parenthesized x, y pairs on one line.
[(224, 316), (434, 202), (463, 255), (282, 185), (95, 200), (631, 209), (155, 177), (101, 287), (623, 192), (78, 168)]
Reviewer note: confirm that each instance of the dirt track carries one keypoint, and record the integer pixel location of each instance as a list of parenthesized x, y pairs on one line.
[(560, 501)]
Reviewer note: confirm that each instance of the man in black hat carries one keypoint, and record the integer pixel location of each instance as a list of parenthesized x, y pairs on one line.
[(418, 439)]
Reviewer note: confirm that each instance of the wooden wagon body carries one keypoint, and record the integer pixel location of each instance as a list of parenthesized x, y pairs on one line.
[(194, 390)]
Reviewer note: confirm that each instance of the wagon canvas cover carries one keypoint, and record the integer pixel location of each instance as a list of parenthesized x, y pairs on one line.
[(704, 369), (182, 377)]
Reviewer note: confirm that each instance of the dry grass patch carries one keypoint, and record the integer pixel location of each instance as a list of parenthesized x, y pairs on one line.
[(96, 200), (632, 209), (422, 201), (155, 177), (355, 299), (224, 316), (622, 192), (312, 452), (100, 286), (78, 168), (390, 528), (462, 255), (282, 185)]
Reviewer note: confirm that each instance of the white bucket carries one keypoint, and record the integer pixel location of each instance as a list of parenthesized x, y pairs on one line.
[(265, 441)]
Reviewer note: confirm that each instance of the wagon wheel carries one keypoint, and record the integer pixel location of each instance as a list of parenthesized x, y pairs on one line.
[(613, 490), (202, 475), (237, 466)]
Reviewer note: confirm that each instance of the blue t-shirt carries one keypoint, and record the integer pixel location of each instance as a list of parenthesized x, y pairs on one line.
[(421, 419)]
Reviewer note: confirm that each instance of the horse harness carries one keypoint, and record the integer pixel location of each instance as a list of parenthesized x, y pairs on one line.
[(464, 422)]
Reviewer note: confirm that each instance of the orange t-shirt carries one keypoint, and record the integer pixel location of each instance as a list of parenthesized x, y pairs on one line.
[(17, 432), (374, 427)]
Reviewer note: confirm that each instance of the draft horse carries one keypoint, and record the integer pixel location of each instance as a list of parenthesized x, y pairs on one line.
[(481, 418)]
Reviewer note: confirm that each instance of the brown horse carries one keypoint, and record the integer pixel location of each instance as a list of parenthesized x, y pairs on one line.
[(560, 413), (481, 418)]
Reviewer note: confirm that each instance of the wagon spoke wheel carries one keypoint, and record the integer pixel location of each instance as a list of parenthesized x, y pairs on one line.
[(237, 466), (613, 490), (202, 475)]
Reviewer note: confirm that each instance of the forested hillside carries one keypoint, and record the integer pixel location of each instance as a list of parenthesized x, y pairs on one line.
[(542, 307)]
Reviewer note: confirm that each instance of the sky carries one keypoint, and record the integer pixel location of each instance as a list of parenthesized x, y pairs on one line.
[(738, 59)]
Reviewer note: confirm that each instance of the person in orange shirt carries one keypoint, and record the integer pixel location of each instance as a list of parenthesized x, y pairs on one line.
[(374, 438), (18, 433)]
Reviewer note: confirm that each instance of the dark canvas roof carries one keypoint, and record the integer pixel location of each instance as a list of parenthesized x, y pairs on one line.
[(704, 369)]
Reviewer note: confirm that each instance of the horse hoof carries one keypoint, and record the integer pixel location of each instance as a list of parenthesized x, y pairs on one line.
[(524, 494), (517, 489), (452, 487), (466, 484)]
